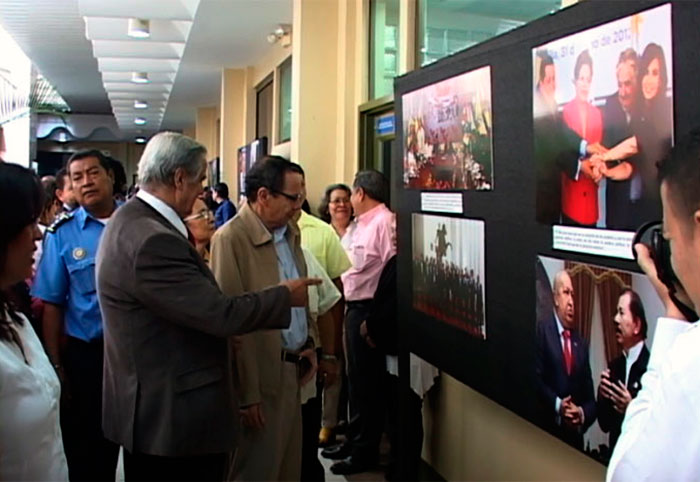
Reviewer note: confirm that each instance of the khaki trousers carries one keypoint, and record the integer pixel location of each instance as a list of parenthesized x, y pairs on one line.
[(273, 452)]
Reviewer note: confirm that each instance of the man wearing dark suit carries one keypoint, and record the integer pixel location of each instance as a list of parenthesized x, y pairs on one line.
[(564, 382), (167, 393), (617, 113), (621, 382), (558, 149)]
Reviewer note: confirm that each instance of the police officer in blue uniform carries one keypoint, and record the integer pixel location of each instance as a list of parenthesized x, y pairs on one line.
[(72, 323)]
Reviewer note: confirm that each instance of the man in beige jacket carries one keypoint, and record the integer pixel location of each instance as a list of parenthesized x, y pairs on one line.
[(258, 248)]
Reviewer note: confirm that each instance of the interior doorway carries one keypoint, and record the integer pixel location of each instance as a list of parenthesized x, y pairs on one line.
[(377, 135)]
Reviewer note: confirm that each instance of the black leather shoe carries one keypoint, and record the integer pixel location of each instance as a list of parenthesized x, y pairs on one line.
[(337, 452), (351, 465)]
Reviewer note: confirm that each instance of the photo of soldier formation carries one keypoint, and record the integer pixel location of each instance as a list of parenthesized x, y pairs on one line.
[(448, 271)]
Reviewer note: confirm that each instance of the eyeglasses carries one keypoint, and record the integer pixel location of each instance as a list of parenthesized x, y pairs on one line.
[(295, 198), (205, 214), (340, 201)]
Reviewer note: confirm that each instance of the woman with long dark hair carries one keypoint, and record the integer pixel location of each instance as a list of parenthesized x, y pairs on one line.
[(30, 434)]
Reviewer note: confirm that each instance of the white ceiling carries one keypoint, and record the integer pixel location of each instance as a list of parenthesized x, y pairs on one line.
[(184, 76)]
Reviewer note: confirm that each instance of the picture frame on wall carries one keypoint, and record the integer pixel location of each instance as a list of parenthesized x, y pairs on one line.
[(448, 134), (603, 118), (606, 311), (449, 275)]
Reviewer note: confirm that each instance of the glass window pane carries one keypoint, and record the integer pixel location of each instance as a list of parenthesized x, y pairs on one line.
[(264, 101), (448, 26), (285, 101), (383, 47)]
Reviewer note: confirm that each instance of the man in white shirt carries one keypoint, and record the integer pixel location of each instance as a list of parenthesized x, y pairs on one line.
[(660, 437)]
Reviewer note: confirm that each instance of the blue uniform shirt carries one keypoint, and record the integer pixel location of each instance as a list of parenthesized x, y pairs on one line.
[(224, 212), (66, 273), (294, 337)]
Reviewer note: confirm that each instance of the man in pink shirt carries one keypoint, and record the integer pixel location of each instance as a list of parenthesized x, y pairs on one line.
[(373, 243)]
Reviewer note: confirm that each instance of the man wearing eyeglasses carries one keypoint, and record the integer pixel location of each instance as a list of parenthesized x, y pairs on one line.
[(261, 247)]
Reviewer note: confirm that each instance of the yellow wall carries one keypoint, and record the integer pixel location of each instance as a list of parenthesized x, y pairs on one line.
[(315, 92), (469, 437), (128, 153), (205, 131), (234, 107), (190, 131)]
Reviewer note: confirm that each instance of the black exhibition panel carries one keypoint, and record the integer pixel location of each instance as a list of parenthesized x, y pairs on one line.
[(502, 366)]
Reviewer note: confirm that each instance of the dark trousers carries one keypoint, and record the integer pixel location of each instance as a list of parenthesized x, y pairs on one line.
[(412, 441), (311, 468), (90, 456), (139, 467), (366, 367)]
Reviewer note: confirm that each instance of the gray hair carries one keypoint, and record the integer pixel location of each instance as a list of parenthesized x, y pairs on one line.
[(165, 153), (374, 184)]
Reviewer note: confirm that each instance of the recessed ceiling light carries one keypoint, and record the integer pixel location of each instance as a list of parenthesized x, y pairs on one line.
[(139, 121), (139, 77), (139, 28), (140, 104), (140, 140)]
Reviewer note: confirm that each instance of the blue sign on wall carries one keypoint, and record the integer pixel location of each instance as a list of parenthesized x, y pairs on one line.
[(385, 124)]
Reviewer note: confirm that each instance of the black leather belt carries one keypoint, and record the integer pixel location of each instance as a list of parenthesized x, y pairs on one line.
[(358, 303), (290, 357)]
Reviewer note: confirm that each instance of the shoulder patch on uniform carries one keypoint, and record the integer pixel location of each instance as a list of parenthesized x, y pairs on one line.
[(60, 219)]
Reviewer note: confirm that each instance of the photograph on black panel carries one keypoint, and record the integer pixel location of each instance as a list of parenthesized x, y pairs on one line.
[(603, 118), (447, 133), (595, 327), (449, 271)]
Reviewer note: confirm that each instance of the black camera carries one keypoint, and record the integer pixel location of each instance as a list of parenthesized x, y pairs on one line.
[(651, 234)]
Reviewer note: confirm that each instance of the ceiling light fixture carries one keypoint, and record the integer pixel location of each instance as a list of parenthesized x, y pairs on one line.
[(139, 77), (139, 121), (282, 32), (139, 28), (140, 104), (140, 140)]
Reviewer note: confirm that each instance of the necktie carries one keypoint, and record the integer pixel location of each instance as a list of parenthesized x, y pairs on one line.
[(568, 361)]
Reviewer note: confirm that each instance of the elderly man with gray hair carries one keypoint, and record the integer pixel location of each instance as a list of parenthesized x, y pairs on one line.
[(167, 393)]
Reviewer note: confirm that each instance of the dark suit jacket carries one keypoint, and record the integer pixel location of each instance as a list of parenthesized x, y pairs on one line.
[(382, 321), (556, 152), (167, 368), (610, 420), (553, 382), (617, 193)]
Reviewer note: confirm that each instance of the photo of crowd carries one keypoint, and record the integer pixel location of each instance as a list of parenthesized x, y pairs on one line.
[(447, 134), (595, 328), (603, 118), (448, 271)]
